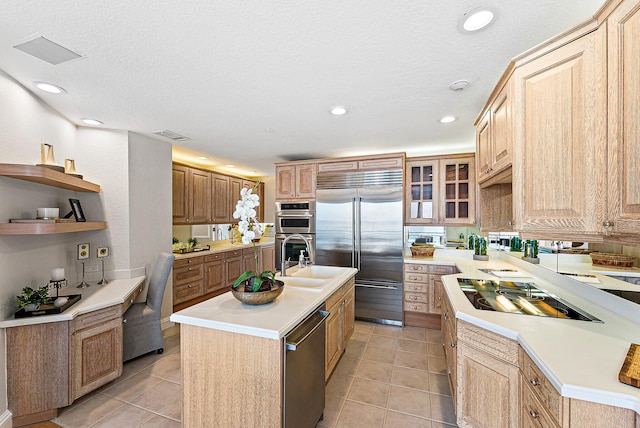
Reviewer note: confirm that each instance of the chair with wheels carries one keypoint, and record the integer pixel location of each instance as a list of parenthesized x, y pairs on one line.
[(141, 323)]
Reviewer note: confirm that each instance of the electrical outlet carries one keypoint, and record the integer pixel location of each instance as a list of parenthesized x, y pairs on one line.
[(91, 268)]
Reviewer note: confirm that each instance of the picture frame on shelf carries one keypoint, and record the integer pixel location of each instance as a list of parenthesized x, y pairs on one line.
[(76, 208)]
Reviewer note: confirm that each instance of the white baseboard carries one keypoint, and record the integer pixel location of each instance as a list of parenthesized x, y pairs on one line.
[(6, 419)]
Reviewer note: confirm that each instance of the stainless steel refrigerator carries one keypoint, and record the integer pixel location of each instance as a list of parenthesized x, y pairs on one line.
[(359, 224)]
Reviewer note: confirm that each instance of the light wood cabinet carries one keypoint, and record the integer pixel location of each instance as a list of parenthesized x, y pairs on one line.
[(34, 394), (494, 137), (340, 324), (440, 191), (560, 101), (422, 197), (371, 163), (623, 175), (450, 343), (487, 369), (296, 181), (495, 383), (96, 351), (423, 294), (234, 265), (249, 259)]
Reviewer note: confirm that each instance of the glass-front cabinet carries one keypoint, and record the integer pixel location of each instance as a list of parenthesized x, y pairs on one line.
[(440, 191), (422, 180)]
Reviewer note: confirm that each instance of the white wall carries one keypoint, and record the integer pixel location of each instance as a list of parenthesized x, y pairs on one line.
[(135, 199), (150, 203)]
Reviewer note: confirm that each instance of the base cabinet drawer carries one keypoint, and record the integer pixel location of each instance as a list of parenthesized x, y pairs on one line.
[(188, 291), (534, 414), (416, 307)]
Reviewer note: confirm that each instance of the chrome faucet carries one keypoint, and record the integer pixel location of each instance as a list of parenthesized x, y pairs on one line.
[(284, 242)]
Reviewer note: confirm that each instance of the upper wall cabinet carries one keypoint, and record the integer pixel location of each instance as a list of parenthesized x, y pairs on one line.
[(296, 181), (494, 139), (560, 114), (440, 191), (623, 213), (205, 197)]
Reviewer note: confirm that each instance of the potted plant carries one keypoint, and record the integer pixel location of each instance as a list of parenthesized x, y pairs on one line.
[(249, 228), (31, 299)]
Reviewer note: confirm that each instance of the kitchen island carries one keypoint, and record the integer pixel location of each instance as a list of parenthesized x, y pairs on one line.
[(233, 354), (576, 361)]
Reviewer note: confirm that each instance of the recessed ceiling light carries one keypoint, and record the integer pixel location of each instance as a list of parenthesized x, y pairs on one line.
[(338, 110), (448, 119), (230, 166), (477, 19), (92, 122), (48, 87), (203, 157)]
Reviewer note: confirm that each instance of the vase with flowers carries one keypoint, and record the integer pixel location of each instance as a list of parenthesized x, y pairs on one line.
[(253, 287)]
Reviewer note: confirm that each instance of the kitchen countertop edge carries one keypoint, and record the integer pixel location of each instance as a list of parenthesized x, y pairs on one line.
[(295, 303), (99, 297), (563, 373)]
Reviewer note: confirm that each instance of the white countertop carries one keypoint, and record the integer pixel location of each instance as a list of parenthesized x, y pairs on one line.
[(581, 359), (226, 245), (93, 298), (272, 320)]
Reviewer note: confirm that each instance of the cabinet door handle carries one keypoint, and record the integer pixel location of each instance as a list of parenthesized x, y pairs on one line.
[(189, 261), (445, 316), (439, 298), (534, 382), (189, 286), (534, 414), (124, 321), (453, 345)]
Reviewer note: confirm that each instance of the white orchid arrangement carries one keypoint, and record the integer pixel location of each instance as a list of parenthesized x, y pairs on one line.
[(249, 228)]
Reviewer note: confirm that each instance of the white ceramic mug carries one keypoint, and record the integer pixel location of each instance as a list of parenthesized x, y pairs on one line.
[(48, 212)]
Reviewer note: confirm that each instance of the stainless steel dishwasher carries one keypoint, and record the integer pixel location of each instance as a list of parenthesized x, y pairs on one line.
[(304, 371)]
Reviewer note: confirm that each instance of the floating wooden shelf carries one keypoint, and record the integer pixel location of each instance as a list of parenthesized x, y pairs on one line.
[(49, 228), (43, 175)]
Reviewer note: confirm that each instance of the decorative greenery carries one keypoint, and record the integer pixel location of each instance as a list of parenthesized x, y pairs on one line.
[(175, 240), (249, 227), (30, 296), (192, 242)]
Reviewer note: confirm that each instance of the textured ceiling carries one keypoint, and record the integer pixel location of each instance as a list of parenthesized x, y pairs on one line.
[(251, 81)]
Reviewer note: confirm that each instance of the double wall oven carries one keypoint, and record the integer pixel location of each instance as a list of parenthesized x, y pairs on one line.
[(295, 217)]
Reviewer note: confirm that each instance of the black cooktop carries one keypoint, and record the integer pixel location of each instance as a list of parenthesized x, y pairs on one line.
[(519, 297)]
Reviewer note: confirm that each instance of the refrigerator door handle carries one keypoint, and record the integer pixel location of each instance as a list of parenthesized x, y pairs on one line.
[(354, 249), (359, 234)]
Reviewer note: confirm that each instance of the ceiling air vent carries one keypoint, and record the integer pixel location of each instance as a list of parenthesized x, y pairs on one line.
[(172, 135), (47, 50)]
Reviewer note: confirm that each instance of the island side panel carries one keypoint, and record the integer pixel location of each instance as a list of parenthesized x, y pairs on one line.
[(230, 379)]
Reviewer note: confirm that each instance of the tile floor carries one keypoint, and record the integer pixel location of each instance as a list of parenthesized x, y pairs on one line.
[(388, 377)]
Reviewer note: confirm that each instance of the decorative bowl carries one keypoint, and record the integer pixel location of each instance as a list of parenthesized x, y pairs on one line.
[(259, 297)]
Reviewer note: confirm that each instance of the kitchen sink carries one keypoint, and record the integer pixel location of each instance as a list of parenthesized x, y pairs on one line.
[(321, 272), (315, 284), (519, 297)]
